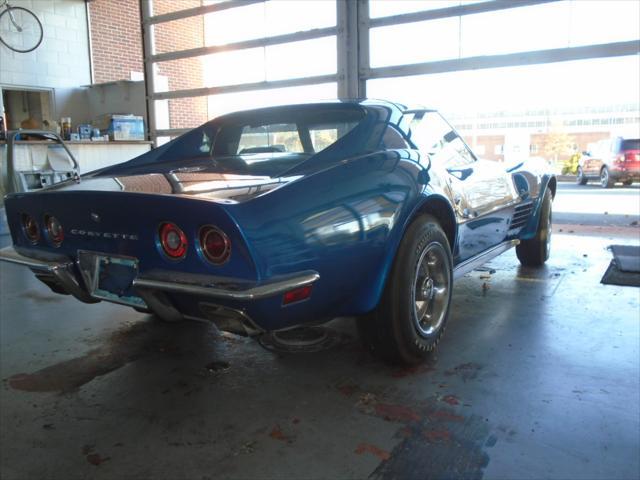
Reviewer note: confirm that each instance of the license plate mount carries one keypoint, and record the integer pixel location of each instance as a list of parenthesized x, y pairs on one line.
[(110, 277)]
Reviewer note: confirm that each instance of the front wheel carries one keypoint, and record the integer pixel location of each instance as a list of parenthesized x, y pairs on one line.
[(580, 178), (20, 29), (411, 317), (534, 252), (605, 178)]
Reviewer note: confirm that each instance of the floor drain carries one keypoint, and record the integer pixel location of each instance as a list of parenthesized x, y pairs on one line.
[(301, 340)]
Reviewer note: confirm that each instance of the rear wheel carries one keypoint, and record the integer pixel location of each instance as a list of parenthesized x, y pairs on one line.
[(411, 317), (580, 178), (535, 251), (605, 178), (626, 183)]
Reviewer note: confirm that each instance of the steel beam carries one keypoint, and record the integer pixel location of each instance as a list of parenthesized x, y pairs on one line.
[(255, 43), (170, 132), (245, 87), (148, 49), (617, 49), (456, 11), (192, 12), (347, 45), (363, 60)]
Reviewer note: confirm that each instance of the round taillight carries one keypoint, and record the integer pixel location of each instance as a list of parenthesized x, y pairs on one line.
[(54, 229), (30, 228), (214, 244), (173, 240)]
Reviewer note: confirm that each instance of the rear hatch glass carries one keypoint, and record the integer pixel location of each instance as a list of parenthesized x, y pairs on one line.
[(632, 144)]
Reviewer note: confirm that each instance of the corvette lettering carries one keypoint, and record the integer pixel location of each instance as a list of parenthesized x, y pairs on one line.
[(89, 233)]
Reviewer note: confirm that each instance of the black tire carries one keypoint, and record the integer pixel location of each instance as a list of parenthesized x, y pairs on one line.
[(393, 331), (580, 178), (626, 183), (605, 178), (535, 251), (5, 16)]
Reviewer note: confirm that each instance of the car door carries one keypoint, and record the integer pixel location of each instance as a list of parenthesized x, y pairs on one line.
[(481, 191), (593, 163)]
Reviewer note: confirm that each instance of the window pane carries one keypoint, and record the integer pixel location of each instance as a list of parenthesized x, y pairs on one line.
[(236, 67), (183, 34), (182, 112), (277, 62), (230, 102), (516, 30), (321, 138), (385, 8), (270, 139), (431, 40), (308, 15), (160, 8), (579, 83), (301, 59), (234, 24), (604, 21), (267, 19)]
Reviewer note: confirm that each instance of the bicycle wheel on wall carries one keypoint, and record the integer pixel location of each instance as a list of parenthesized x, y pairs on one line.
[(20, 29)]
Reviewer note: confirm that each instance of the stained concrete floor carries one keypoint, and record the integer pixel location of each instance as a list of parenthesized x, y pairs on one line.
[(537, 377)]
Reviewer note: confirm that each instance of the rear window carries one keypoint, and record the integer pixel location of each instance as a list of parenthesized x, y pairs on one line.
[(632, 144), (296, 131), (271, 138)]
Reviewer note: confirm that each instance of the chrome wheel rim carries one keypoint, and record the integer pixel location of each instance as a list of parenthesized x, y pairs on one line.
[(604, 177), (579, 176), (431, 290)]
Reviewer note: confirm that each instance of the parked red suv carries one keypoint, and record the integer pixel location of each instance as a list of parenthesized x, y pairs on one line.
[(610, 161)]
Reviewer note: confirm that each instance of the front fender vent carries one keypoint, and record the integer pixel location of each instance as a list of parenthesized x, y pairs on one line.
[(521, 216)]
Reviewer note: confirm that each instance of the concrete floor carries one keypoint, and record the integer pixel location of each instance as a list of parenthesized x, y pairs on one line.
[(537, 377), (594, 206)]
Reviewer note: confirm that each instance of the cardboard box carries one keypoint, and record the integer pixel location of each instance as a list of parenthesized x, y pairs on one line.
[(121, 127)]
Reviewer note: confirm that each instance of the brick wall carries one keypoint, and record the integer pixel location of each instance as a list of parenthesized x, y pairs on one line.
[(116, 39), (117, 51)]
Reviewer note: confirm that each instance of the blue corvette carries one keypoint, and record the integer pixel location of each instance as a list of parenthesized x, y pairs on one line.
[(272, 218)]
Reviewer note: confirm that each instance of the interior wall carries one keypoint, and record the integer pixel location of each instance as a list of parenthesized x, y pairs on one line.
[(62, 59)]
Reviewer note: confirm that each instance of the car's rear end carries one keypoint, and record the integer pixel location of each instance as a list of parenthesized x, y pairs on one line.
[(625, 165), (176, 256)]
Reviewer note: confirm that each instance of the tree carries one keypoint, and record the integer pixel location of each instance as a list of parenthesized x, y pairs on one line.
[(557, 142)]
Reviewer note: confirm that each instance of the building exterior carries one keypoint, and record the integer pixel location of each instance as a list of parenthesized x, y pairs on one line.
[(554, 134)]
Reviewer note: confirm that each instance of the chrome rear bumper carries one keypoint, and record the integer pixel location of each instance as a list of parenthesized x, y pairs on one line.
[(56, 272), (152, 288)]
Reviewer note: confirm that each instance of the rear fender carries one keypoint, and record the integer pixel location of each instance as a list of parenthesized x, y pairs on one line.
[(344, 222), (430, 203)]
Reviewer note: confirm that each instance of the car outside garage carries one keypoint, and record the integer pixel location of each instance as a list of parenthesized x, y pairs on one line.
[(232, 242)]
